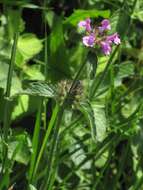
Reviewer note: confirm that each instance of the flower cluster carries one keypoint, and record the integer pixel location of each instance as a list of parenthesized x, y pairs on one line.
[(98, 35)]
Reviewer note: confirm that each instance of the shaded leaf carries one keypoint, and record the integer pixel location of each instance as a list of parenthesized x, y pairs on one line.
[(15, 22), (126, 69), (58, 58), (133, 52)]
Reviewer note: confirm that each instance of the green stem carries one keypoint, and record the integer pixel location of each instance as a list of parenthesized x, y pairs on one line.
[(122, 163), (97, 152), (34, 168), (45, 60), (35, 142), (8, 85), (11, 66), (6, 121), (95, 87), (48, 132), (45, 45), (57, 127)]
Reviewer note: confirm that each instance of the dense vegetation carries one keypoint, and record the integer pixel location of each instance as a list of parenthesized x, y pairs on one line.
[(71, 118)]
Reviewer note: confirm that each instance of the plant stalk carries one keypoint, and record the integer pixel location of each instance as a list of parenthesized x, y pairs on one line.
[(48, 132), (55, 141), (6, 121)]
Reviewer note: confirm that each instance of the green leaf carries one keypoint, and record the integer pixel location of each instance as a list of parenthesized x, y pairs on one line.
[(77, 55), (25, 105), (40, 88), (102, 160), (50, 18), (133, 52), (126, 69), (129, 108), (21, 107), (16, 84), (15, 22), (138, 11), (58, 58), (5, 181), (31, 187), (87, 110), (93, 61), (19, 148), (79, 156), (16, 2), (100, 121), (80, 14), (33, 72), (123, 20), (28, 46), (30, 6), (138, 15)]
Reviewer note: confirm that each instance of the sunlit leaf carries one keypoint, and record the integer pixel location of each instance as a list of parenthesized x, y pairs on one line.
[(40, 88), (16, 84), (100, 121), (28, 46), (79, 15), (19, 149), (31, 187)]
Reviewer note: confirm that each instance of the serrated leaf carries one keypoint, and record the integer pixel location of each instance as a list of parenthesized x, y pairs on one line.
[(87, 110), (100, 121), (80, 14), (40, 88)]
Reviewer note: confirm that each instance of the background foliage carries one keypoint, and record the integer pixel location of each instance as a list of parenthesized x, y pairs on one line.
[(92, 139)]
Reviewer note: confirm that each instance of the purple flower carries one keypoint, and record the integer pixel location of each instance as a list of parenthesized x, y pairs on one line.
[(105, 25), (89, 41), (106, 48), (85, 24), (99, 36), (114, 38)]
